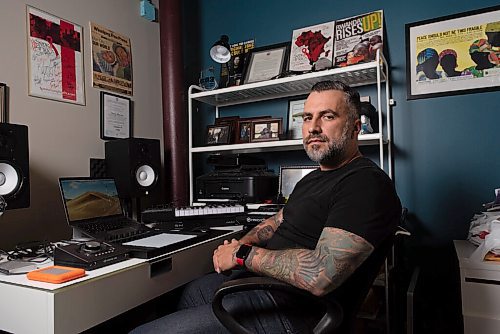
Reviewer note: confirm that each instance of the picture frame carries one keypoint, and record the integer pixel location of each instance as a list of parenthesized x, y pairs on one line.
[(295, 111), (218, 134), (55, 57), (116, 113), (3, 102), (232, 121), (244, 131), (453, 54), (266, 129), (266, 63)]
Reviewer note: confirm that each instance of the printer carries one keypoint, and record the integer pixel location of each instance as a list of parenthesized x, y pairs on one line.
[(237, 177)]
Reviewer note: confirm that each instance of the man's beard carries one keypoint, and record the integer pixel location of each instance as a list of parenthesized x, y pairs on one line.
[(333, 153)]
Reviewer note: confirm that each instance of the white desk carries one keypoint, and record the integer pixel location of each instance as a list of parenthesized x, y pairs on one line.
[(480, 285), (36, 307)]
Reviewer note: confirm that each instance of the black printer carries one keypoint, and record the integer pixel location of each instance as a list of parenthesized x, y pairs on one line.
[(237, 177)]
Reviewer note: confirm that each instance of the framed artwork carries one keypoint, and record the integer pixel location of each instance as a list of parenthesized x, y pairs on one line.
[(55, 58), (111, 60), (265, 129), (312, 47), (115, 116), (295, 111), (218, 134), (266, 63), (453, 54)]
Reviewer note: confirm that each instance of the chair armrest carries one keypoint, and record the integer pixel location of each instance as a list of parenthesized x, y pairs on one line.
[(329, 322)]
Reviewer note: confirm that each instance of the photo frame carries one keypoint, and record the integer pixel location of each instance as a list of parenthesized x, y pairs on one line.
[(453, 54), (295, 111), (244, 131), (116, 113), (266, 129), (266, 63), (232, 121), (55, 57), (218, 134)]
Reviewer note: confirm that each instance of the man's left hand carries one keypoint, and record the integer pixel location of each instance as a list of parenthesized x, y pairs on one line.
[(224, 257)]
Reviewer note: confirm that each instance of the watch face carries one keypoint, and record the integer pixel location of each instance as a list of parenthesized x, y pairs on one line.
[(243, 252)]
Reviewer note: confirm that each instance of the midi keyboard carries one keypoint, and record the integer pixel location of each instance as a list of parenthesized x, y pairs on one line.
[(193, 218)]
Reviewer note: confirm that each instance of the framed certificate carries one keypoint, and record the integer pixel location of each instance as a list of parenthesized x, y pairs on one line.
[(295, 111), (115, 116), (266, 63)]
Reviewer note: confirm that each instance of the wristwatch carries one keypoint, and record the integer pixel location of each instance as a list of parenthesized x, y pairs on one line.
[(242, 254)]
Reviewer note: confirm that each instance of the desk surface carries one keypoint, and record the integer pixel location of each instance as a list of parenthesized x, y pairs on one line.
[(464, 250), (104, 293)]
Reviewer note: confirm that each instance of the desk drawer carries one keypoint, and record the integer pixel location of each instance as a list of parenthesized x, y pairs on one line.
[(480, 298)]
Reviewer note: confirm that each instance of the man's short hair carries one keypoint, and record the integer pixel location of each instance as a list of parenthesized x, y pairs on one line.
[(351, 95)]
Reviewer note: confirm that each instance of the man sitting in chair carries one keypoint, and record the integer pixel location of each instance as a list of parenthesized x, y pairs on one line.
[(336, 217)]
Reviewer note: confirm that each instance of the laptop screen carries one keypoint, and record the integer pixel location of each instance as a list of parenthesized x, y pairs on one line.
[(290, 175), (88, 198)]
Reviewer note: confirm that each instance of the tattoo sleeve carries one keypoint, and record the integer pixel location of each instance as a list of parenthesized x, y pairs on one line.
[(319, 271), (261, 233)]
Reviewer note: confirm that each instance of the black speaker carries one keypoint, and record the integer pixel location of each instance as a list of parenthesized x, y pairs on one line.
[(14, 165), (135, 165)]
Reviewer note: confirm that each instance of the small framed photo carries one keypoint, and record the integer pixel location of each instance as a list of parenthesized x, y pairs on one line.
[(243, 131), (266, 63), (295, 111), (266, 130), (115, 116), (218, 134), (232, 121)]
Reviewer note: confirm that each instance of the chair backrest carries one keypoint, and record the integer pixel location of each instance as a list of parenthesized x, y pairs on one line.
[(353, 292)]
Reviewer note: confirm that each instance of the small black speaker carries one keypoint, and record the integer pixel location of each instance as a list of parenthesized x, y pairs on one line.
[(135, 165), (14, 165)]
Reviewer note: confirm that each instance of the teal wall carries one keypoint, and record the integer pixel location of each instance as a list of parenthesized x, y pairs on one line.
[(447, 160)]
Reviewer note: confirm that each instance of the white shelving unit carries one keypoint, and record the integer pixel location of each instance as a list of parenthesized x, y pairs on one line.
[(373, 73)]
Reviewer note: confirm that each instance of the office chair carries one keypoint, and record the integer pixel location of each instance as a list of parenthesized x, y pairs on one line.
[(339, 315)]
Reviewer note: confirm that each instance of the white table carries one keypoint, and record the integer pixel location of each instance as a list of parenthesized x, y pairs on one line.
[(72, 307), (480, 285)]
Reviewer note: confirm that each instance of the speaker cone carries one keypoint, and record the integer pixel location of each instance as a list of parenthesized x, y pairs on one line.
[(145, 176), (10, 180)]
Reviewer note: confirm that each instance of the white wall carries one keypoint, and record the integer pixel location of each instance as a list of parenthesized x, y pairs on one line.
[(63, 136)]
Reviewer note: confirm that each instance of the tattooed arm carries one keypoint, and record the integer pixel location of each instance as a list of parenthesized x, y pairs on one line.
[(319, 271), (261, 233)]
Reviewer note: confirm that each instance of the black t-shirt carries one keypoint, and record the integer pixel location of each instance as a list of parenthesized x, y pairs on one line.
[(358, 197)]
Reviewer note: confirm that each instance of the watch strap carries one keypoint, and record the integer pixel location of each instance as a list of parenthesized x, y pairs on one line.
[(242, 254)]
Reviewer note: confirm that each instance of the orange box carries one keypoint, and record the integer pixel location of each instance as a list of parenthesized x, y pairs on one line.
[(56, 274)]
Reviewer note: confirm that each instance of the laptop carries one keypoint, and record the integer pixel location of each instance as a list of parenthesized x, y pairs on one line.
[(94, 210)]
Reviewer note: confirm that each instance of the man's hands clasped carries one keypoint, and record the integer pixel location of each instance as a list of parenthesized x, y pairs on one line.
[(224, 257)]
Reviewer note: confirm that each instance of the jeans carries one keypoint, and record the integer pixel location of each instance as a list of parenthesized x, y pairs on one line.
[(256, 310)]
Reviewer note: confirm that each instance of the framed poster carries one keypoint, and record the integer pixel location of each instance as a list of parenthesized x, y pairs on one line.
[(115, 116), (266, 63), (454, 54), (55, 58), (111, 60)]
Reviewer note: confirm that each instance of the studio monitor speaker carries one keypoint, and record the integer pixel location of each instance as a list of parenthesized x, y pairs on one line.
[(135, 165), (14, 165)]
